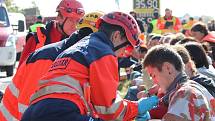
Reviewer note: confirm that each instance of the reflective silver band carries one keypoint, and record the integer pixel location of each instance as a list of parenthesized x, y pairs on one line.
[(7, 115)]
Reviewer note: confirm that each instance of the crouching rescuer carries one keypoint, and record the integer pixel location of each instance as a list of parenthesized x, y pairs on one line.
[(81, 84)]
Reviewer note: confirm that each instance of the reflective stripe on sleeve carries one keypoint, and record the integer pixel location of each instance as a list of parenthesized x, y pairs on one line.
[(114, 108), (22, 107), (13, 89), (122, 114), (7, 115)]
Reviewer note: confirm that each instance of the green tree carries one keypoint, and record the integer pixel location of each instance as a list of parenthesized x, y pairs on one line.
[(11, 6), (8, 2)]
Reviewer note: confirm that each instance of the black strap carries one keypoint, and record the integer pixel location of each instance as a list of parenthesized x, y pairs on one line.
[(62, 25), (47, 32), (121, 46)]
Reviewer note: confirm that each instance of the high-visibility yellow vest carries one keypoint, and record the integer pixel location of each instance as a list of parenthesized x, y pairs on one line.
[(33, 27), (155, 28), (163, 31)]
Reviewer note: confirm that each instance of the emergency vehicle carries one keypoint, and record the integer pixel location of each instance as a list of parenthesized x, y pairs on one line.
[(8, 40)]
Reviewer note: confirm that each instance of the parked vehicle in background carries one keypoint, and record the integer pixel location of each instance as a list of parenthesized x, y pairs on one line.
[(21, 34), (8, 40)]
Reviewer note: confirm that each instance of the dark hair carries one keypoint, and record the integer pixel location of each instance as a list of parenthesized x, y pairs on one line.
[(156, 37), (159, 54), (39, 17), (213, 53), (85, 31), (177, 38), (108, 29), (142, 49), (200, 27), (174, 41), (186, 40), (191, 18), (197, 54), (206, 46), (134, 14), (182, 51)]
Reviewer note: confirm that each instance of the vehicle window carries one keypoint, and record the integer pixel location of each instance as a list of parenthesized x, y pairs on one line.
[(3, 17)]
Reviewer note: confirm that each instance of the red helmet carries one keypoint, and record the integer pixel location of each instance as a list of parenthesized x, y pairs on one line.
[(127, 22), (71, 8)]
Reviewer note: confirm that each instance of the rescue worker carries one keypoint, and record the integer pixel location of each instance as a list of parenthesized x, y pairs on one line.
[(187, 27), (81, 84), (152, 27), (17, 95), (168, 23), (38, 23), (69, 14)]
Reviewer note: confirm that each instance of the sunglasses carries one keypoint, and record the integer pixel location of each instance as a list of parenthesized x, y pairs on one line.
[(79, 11)]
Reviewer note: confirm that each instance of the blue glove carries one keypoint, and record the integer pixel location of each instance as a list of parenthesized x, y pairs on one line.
[(143, 117), (145, 104)]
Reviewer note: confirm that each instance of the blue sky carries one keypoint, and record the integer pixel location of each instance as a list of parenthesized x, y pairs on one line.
[(179, 7)]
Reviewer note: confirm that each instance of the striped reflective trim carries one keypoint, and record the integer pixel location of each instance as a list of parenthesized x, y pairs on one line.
[(13, 89), (65, 79), (111, 110), (74, 89), (122, 114), (7, 115), (22, 107), (53, 89)]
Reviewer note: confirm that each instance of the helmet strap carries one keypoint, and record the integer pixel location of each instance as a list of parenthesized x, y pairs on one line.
[(62, 26), (120, 46)]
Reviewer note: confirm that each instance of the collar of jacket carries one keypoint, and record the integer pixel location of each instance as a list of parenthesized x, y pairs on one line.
[(209, 38), (103, 37), (180, 78), (168, 18)]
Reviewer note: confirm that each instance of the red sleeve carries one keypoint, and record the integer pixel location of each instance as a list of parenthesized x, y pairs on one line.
[(28, 49), (160, 25), (11, 95), (104, 82), (177, 24)]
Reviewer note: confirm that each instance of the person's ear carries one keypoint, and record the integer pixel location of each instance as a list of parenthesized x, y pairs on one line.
[(116, 36), (189, 64), (167, 67)]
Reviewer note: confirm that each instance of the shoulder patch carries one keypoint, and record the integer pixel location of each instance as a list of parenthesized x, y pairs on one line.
[(60, 63)]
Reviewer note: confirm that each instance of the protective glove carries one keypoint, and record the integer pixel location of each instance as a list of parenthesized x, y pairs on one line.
[(143, 117), (145, 104)]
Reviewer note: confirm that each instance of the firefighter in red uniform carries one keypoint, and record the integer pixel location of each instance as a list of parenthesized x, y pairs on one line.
[(69, 14), (81, 84), (17, 95), (168, 23)]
